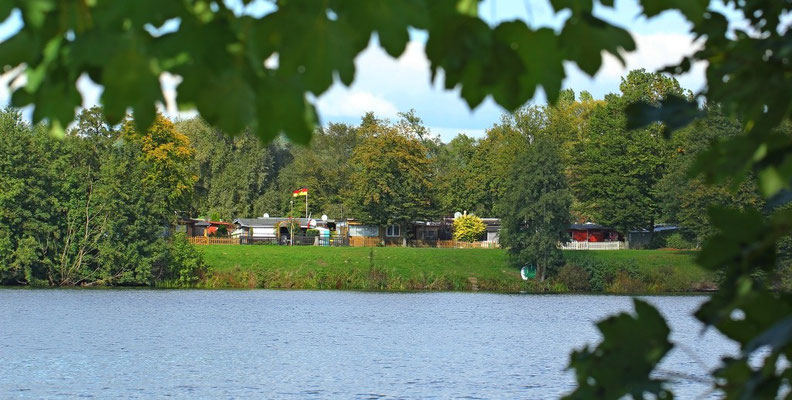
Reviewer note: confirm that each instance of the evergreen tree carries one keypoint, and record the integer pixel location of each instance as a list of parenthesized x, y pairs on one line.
[(535, 208)]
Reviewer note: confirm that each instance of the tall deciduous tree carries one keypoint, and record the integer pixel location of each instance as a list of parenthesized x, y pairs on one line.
[(324, 168), (391, 180), (535, 208), (686, 200), (615, 170)]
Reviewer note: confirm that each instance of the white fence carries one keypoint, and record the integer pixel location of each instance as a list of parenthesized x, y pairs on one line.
[(594, 246)]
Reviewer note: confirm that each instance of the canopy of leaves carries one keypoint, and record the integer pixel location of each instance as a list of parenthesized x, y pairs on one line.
[(620, 365), (220, 53), (391, 179)]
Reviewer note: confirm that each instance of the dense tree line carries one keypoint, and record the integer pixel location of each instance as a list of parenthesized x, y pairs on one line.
[(96, 206), (388, 172)]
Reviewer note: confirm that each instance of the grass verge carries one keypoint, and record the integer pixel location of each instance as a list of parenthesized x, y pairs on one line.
[(405, 269)]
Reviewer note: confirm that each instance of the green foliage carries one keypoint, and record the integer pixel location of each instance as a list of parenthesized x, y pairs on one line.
[(391, 179), (536, 208), (684, 200), (602, 273), (677, 241), (236, 176), (620, 365), (220, 54), (573, 277), (468, 228), (748, 79), (104, 220), (324, 168), (626, 200), (185, 263), (312, 232)]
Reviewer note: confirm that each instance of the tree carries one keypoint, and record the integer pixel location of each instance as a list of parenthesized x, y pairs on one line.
[(499, 151), (748, 78), (94, 206), (324, 168), (28, 201), (391, 180), (468, 228), (616, 170), (685, 200), (236, 176), (459, 177), (535, 208)]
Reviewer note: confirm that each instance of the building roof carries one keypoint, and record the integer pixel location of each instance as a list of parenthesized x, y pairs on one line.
[(269, 222), (588, 226), (658, 228), (201, 222)]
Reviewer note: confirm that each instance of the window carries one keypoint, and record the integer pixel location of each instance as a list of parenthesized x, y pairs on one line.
[(393, 231), (364, 230), (430, 235)]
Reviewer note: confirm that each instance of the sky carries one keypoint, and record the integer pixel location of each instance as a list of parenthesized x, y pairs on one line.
[(388, 86)]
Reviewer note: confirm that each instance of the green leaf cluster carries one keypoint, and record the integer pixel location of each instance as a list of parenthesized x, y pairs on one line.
[(620, 365), (261, 72)]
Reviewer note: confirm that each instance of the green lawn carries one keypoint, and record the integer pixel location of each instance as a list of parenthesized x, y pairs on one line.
[(396, 268)]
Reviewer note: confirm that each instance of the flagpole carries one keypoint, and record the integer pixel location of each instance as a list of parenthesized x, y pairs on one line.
[(306, 204)]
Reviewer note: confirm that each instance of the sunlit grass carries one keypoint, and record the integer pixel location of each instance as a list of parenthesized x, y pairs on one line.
[(397, 268)]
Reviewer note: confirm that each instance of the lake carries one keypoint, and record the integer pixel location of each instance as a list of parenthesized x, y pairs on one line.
[(316, 344)]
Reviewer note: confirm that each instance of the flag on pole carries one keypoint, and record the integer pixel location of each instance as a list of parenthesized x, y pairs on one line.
[(300, 192)]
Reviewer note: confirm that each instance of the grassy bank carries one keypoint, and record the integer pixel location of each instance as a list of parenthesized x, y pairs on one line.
[(397, 269)]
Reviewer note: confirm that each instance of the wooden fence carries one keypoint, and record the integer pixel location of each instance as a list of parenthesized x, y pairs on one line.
[(354, 241), (360, 241), (213, 240)]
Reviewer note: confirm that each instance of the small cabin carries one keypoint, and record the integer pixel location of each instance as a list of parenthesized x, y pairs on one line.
[(591, 232)]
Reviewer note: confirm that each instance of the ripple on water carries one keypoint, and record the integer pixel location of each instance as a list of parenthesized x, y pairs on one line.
[(306, 344)]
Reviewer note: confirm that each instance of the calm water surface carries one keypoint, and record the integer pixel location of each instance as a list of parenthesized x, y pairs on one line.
[(306, 344)]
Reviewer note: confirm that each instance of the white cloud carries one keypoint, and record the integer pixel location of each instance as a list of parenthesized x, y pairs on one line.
[(653, 52), (343, 102)]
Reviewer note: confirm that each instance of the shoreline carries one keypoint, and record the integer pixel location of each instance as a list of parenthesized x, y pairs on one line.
[(701, 293)]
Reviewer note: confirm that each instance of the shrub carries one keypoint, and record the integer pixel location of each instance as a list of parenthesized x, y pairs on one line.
[(573, 277), (625, 282), (185, 264), (468, 228), (602, 274), (312, 232), (677, 241)]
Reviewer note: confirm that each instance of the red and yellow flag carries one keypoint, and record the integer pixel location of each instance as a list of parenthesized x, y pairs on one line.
[(300, 192)]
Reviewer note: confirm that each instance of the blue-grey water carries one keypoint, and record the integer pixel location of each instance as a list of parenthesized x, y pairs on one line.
[(316, 344)]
